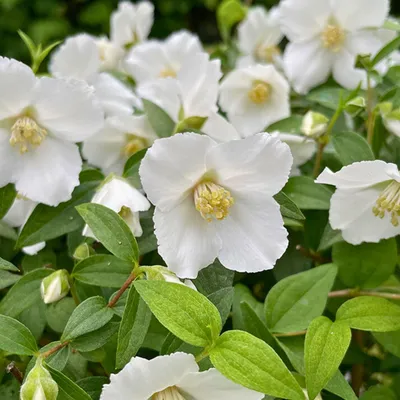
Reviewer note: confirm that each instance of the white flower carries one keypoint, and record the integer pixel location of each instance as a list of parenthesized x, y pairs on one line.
[(55, 286), (326, 36), (366, 204), (259, 36), (155, 59), (254, 97), (118, 195), (121, 137), (41, 119), (192, 94), (215, 200), (131, 23), (172, 377)]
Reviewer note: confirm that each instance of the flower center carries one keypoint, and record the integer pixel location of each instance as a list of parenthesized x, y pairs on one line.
[(170, 393), (333, 37), (267, 53), (125, 212), (389, 202), (260, 92), (212, 201), (26, 133), (133, 144), (168, 72)]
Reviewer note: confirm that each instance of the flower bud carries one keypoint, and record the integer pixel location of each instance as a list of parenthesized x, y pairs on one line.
[(82, 251), (55, 286), (160, 273), (314, 124), (355, 106), (39, 385)]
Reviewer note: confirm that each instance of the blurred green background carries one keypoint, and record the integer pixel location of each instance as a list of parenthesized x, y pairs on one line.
[(50, 20)]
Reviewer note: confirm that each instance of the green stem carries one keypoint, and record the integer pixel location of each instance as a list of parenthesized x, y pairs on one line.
[(371, 115), (355, 293), (290, 334), (318, 159), (121, 291), (202, 355), (54, 350)]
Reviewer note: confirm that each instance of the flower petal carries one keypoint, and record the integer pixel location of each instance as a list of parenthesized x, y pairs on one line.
[(19, 212), (67, 109), (142, 378), (186, 241), (219, 129), (257, 164), (9, 159), (172, 166), (16, 84), (253, 236), (34, 249)]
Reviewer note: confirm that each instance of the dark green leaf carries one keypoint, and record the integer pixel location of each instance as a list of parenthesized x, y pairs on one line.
[(213, 278), (289, 209), (7, 279), (386, 50), (7, 197), (351, 147), (7, 266), (329, 238), (390, 341), (58, 313), (93, 385)]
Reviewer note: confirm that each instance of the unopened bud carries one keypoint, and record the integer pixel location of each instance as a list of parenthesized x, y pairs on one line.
[(83, 251), (39, 385), (55, 286), (314, 124), (160, 273), (355, 106)]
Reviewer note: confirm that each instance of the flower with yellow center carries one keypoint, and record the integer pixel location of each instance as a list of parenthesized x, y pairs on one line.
[(168, 73), (216, 200), (260, 92), (25, 133), (333, 37), (172, 377), (267, 53), (366, 204)]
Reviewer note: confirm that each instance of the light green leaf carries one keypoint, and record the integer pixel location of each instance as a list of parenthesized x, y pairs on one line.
[(133, 329), (183, 311), (7, 232), (390, 341), (370, 314), (251, 363), (16, 338), (159, 120), (296, 300), (229, 13), (89, 316), (111, 230), (291, 124), (289, 209), (351, 147), (325, 347), (102, 270), (367, 265), (7, 197), (388, 49), (307, 194), (338, 385)]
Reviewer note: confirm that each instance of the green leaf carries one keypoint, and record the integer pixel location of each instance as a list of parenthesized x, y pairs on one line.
[(147, 242), (289, 209), (186, 313), (68, 390), (329, 238), (89, 316), (367, 265), (7, 266), (102, 270), (325, 347), (24, 293), (8, 279), (47, 222), (291, 124), (16, 338), (351, 147), (133, 329), (131, 168), (58, 313), (296, 300), (7, 197), (159, 120), (229, 13), (370, 314), (93, 385), (390, 341), (111, 230), (379, 393), (327, 96), (251, 363), (222, 299), (386, 50), (307, 194), (338, 385), (213, 278)]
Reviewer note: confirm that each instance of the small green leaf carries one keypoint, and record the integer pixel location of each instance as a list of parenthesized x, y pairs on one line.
[(328, 96), (370, 314), (351, 147), (102, 270), (133, 329), (289, 209), (159, 120), (186, 313), (229, 13), (307, 194), (111, 230), (89, 316), (390, 341), (16, 338), (296, 300), (329, 238), (325, 347), (222, 299), (7, 266), (131, 168), (7, 197), (251, 363), (388, 49), (367, 265)]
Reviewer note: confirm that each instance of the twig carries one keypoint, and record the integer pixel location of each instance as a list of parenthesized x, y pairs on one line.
[(290, 334), (122, 290), (318, 159), (13, 369), (357, 370), (316, 257), (54, 350), (355, 293)]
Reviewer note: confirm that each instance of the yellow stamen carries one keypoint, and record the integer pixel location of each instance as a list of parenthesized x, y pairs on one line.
[(333, 37), (133, 144), (212, 201), (26, 133), (260, 92), (389, 202), (168, 73), (170, 393), (267, 53)]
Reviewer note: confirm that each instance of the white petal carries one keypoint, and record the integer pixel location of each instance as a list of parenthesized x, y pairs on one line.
[(16, 84), (359, 174), (253, 236), (144, 19), (141, 378), (19, 212), (303, 19), (9, 159), (49, 173), (34, 249), (78, 57), (392, 125), (172, 166), (138, 125), (219, 129), (307, 64), (182, 45), (257, 164), (345, 73), (211, 384), (357, 14), (67, 109), (186, 241)]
